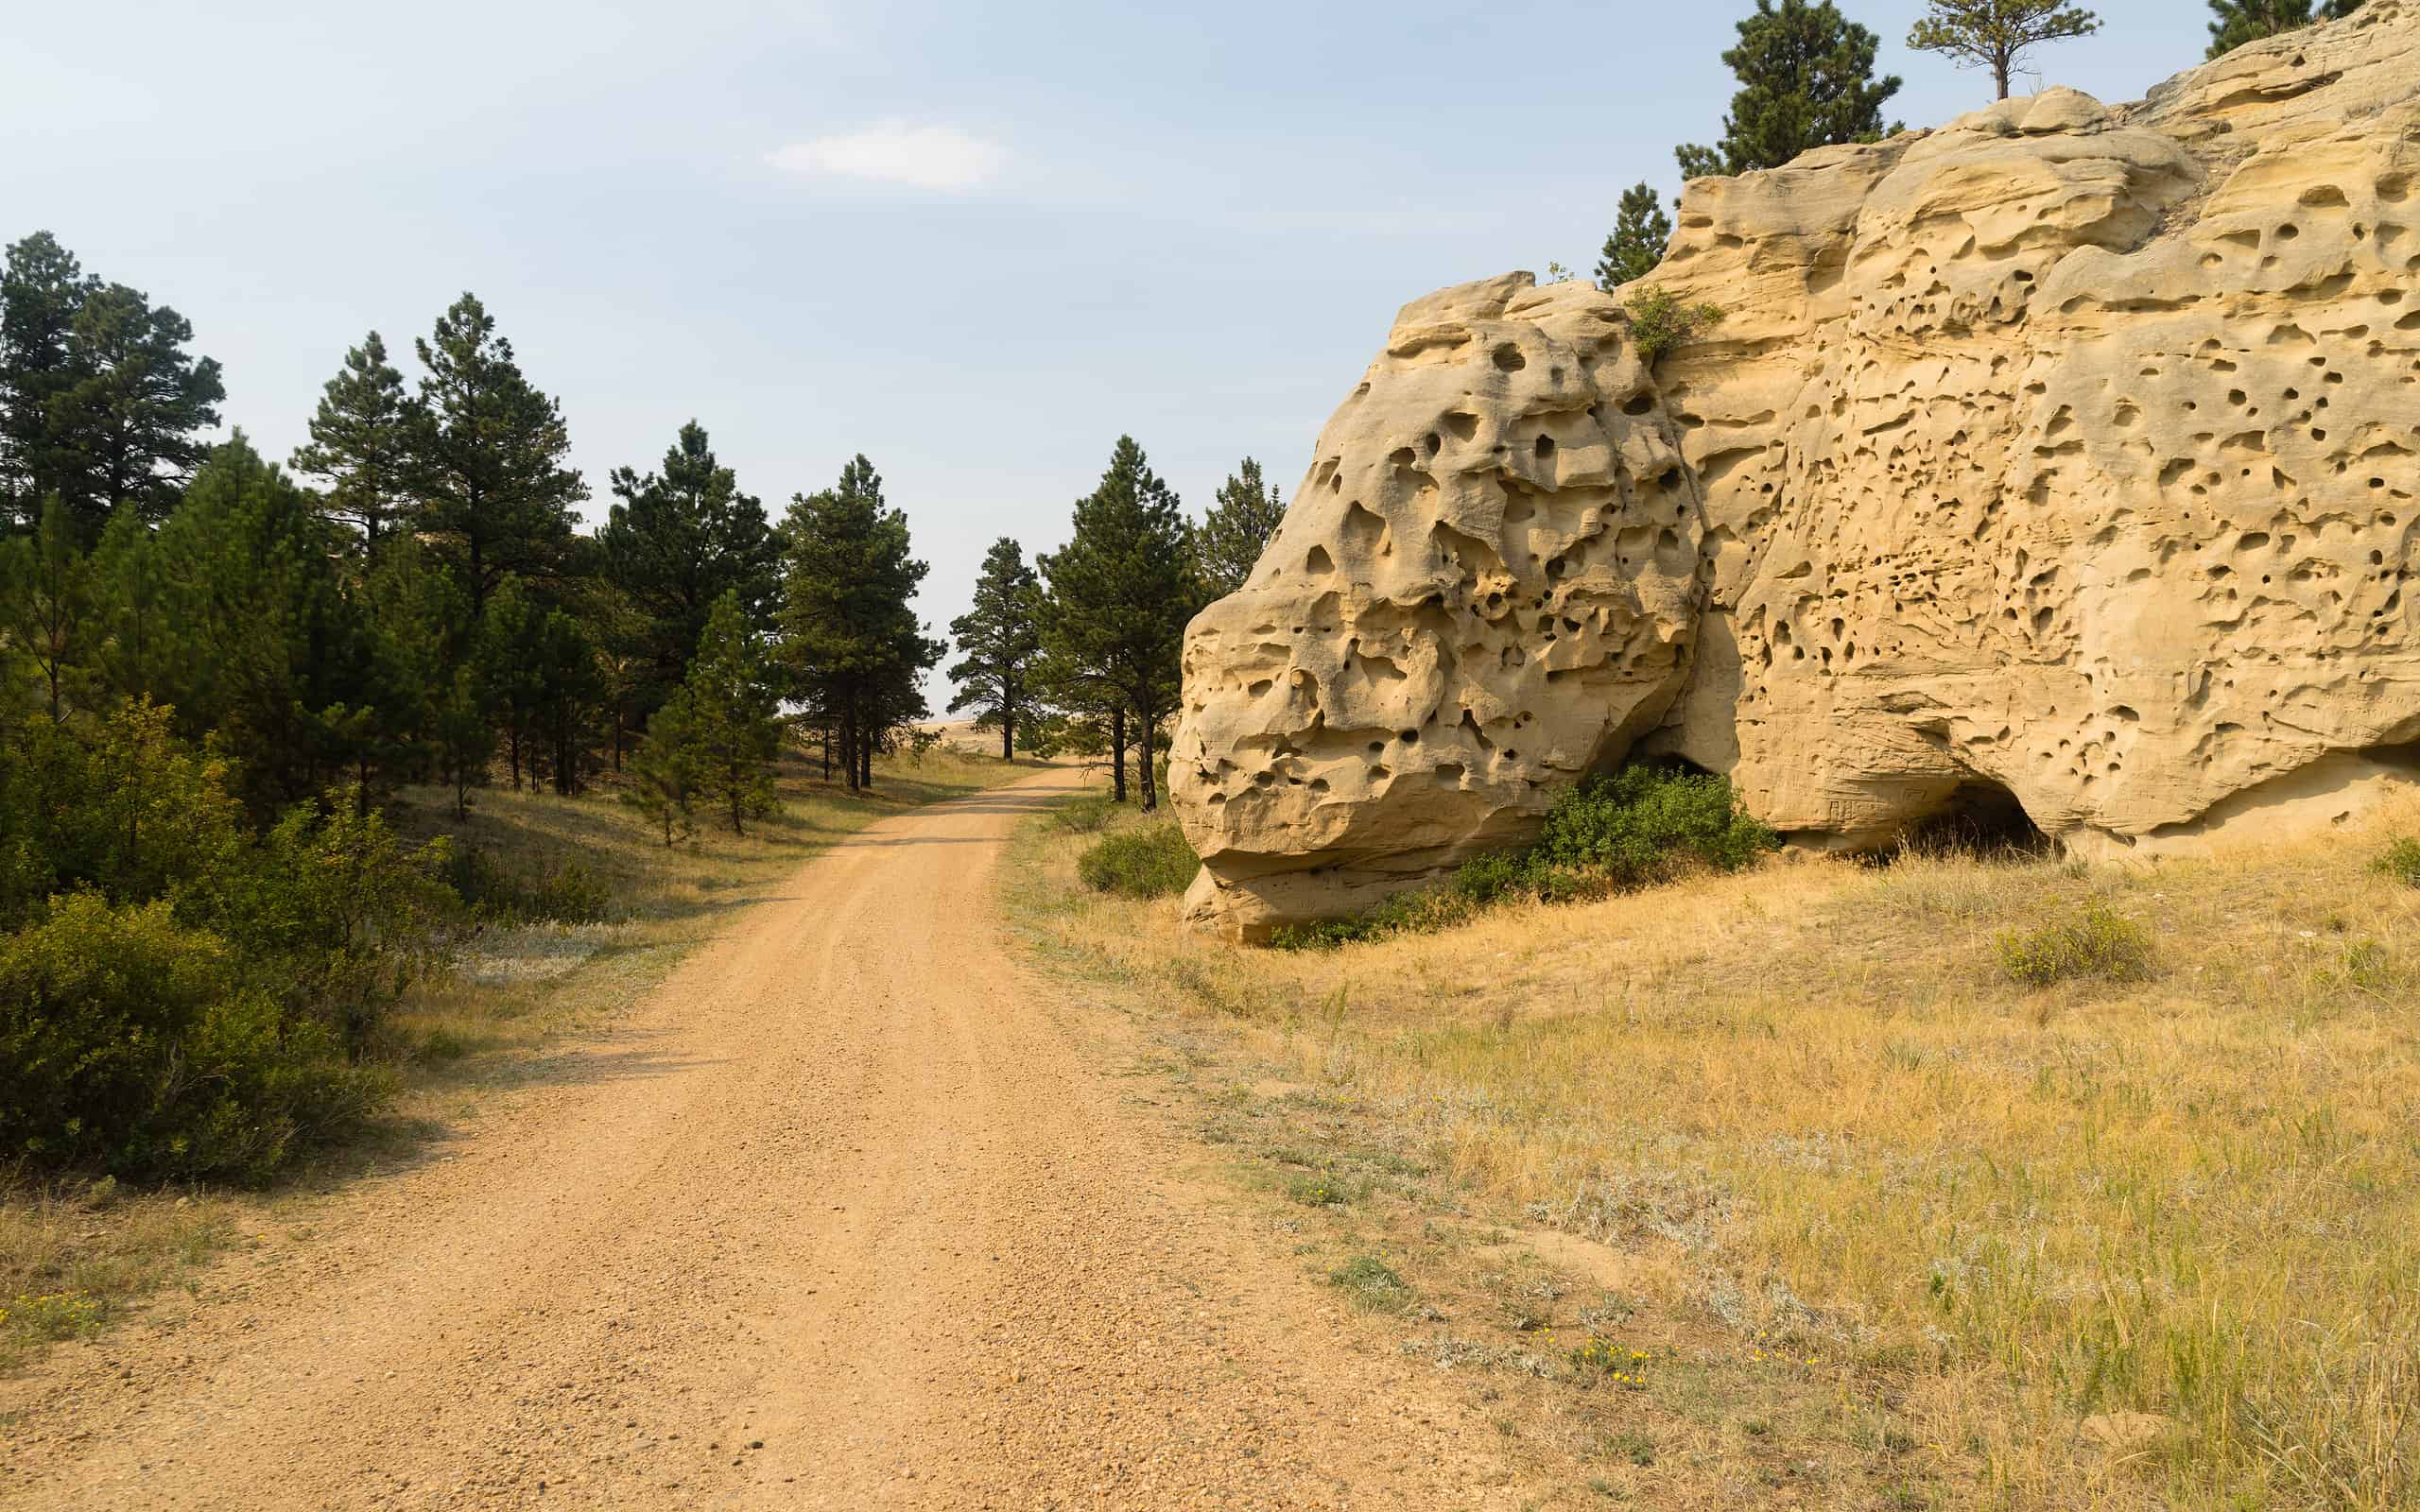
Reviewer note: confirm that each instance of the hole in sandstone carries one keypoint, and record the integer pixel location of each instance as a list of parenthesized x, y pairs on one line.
[(1638, 404), (1983, 817), (1509, 359), (1545, 447)]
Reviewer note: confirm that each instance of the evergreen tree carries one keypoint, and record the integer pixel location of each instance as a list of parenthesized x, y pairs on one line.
[(1120, 593), (1237, 528), (1806, 80), (569, 691), (41, 287), (2234, 23), (1000, 641), (675, 543), (123, 425), (856, 650), (261, 645), (665, 780), (361, 443), (732, 706), (47, 600), (494, 499), (510, 627), (421, 634), (1641, 231), (1993, 34)]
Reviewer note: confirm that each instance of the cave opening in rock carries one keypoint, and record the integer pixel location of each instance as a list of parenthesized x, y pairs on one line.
[(1983, 817)]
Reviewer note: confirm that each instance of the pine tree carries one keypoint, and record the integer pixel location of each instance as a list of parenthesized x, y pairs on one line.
[(1237, 529), (47, 606), (361, 443), (665, 780), (731, 705), (41, 287), (421, 633), (1641, 231), (1993, 34), (1806, 80), (1000, 641), (510, 626), (857, 651), (675, 545), (2235, 21), (492, 498), (1119, 595), (124, 425), (569, 694), (261, 645)]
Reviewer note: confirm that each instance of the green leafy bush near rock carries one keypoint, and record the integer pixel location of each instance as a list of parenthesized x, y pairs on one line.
[(1638, 825), (1149, 861), (1659, 322)]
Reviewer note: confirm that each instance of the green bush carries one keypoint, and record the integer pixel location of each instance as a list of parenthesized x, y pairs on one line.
[(2401, 861), (1643, 824), (1151, 861), (1372, 1283), (1659, 322), (567, 893), (2092, 941), (131, 1043)]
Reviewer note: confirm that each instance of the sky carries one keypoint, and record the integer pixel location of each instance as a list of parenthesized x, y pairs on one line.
[(976, 242)]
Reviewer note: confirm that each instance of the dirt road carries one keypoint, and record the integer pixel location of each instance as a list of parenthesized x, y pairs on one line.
[(848, 1213)]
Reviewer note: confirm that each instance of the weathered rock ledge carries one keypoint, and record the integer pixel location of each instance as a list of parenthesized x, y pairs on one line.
[(2065, 456)]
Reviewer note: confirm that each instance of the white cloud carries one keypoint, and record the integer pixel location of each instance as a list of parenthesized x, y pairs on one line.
[(926, 157)]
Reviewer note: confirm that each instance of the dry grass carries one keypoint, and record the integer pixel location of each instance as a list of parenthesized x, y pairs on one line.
[(2105, 1243), (78, 1254)]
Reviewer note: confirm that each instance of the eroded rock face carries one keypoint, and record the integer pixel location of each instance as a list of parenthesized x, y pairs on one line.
[(2064, 454)]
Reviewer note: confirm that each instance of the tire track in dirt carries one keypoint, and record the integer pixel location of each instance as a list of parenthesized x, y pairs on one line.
[(845, 1214)]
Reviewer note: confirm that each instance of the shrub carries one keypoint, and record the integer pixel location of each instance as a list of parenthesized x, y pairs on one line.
[(2092, 941), (567, 893), (1640, 825), (1372, 1283), (1643, 822), (131, 1043), (1659, 322), (2401, 861), (1151, 861)]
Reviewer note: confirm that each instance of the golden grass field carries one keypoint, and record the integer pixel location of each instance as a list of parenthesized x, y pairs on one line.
[(73, 1254), (1874, 1226)]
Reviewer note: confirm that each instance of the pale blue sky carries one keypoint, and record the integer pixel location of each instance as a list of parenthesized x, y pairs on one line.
[(976, 242)]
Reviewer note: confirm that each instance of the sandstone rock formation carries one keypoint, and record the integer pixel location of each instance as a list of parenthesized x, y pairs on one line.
[(2064, 456)]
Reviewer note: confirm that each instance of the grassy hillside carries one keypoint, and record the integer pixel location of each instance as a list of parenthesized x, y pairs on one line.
[(1785, 1187), (586, 909)]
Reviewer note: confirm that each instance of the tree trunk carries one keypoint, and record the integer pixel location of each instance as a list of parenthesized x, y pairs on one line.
[(1143, 761), (865, 758), (1007, 736), (2000, 72), (1118, 754)]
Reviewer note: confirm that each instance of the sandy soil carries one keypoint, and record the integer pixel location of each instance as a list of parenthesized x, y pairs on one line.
[(849, 1214)]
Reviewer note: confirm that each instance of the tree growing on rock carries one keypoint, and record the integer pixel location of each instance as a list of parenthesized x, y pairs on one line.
[(1237, 529), (1993, 34), (2233, 23), (1641, 231), (1806, 80), (1000, 639), (1120, 593)]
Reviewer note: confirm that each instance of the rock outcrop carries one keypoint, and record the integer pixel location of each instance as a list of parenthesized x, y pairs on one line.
[(2064, 457)]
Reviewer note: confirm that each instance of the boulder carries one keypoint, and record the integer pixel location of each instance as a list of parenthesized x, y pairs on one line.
[(2062, 459)]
